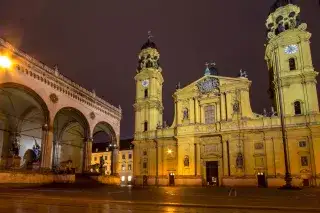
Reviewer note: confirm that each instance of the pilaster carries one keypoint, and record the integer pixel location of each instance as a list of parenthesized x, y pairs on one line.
[(46, 146), (87, 155)]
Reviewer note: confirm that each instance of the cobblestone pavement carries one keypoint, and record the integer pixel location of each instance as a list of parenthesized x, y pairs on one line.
[(99, 198), (42, 205)]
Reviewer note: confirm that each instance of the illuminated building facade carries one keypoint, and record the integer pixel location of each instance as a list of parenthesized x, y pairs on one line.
[(215, 137)]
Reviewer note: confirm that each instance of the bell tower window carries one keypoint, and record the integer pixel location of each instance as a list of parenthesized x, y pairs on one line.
[(146, 93), (297, 108), (292, 64), (145, 126)]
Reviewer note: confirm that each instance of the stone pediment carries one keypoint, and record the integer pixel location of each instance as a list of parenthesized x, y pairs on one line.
[(207, 85)]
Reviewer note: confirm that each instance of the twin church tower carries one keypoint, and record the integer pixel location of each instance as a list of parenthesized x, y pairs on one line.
[(215, 138)]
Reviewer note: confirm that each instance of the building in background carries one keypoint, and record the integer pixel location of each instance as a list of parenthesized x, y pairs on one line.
[(215, 138), (102, 154)]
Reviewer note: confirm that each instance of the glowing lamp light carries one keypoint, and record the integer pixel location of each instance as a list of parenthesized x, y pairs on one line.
[(5, 62), (169, 151)]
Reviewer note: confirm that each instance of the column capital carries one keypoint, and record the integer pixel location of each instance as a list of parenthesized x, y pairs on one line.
[(88, 140)]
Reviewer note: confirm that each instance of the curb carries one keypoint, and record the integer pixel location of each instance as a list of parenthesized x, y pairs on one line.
[(187, 205)]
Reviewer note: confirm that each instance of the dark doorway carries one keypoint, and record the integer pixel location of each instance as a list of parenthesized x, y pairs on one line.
[(145, 180), (262, 180), (305, 182), (171, 179), (212, 173)]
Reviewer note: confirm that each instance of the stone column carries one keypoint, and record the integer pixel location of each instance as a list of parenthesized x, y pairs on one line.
[(179, 119), (87, 154), (114, 161), (198, 163), (197, 111), (46, 146), (218, 112), (191, 111), (229, 107), (225, 157), (223, 106)]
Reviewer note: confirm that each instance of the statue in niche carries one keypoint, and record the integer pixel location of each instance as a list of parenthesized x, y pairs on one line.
[(239, 161), (186, 161), (185, 114), (236, 107), (37, 151)]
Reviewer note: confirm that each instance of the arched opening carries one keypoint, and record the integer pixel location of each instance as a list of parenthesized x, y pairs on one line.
[(146, 93), (292, 64), (103, 147), (23, 114), (145, 126), (297, 108), (71, 130)]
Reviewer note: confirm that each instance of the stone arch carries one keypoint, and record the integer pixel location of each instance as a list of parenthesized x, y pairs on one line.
[(105, 127), (70, 131), (23, 114), (105, 140)]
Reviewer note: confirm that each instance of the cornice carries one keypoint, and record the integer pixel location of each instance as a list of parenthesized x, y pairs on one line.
[(58, 82)]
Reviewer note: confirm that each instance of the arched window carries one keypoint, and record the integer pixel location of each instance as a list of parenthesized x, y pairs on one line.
[(145, 126), (292, 64), (297, 108), (146, 93)]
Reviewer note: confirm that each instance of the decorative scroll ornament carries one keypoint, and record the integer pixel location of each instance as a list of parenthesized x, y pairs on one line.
[(54, 98), (303, 26), (271, 35), (208, 85), (92, 115)]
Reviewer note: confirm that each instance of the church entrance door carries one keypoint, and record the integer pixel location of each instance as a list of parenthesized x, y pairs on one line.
[(171, 179), (212, 170), (262, 180)]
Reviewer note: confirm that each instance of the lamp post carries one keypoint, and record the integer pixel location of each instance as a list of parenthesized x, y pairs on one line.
[(288, 177)]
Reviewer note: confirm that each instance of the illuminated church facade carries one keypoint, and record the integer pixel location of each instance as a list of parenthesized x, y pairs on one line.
[(215, 137)]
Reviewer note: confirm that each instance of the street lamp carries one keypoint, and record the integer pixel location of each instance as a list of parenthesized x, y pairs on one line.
[(288, 177), (5, 62)]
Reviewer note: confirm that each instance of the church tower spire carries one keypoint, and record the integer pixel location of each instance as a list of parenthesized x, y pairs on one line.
[(288, 57), (148, 104)]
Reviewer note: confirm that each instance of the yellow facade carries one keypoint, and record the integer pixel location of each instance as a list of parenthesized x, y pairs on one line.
[(124, 163), (215, 137)]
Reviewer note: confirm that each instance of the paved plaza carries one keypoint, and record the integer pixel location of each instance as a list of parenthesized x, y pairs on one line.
[(100, 198)]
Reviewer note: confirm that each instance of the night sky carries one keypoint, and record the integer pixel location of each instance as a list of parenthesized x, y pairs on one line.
[(96, 43)]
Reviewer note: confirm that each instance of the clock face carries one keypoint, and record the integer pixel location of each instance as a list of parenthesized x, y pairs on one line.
[(291, 49), (145, 83)]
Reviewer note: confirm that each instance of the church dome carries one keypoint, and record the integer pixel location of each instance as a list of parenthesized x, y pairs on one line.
[(149, 44), (280, 3)]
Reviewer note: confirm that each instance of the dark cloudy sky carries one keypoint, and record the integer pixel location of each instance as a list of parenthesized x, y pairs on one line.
[(96, 42)]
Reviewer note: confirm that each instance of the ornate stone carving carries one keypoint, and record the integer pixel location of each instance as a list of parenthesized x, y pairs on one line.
[(92, 115), (210, 148), (258, 146), (208, 85), (54, 98), (303, 26)]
